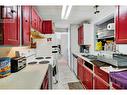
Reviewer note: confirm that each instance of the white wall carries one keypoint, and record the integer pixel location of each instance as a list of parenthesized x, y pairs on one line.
[(74, 38), (62, 39), (64, 45), (74, 47), (122, 48)]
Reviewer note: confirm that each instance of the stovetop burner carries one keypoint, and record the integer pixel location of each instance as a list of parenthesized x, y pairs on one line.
[(34, 62), (44, 62), (39, 58), (47, 57)]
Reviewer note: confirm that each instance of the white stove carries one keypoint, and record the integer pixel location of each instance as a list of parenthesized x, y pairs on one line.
[(41, 60), (32, 59)]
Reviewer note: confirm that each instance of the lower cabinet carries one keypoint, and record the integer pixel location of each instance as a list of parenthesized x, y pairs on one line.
[(87, 78), (45, 82), (116, 86), (80, 69), (91, 76), (99, 83)]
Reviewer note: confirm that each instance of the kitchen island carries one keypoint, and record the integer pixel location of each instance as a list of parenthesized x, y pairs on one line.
[(31, 77)]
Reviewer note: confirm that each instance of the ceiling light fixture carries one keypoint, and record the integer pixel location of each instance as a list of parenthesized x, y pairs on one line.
[(66, 9), (96, 9)]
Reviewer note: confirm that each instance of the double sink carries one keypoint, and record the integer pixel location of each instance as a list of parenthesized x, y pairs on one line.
[(94, 59), (118, 60)]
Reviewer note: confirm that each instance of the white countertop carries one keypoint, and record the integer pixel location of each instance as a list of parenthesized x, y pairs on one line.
[(106, 69), (31, 77)]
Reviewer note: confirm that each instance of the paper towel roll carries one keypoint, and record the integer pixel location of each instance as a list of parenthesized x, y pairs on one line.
[(111, 26)]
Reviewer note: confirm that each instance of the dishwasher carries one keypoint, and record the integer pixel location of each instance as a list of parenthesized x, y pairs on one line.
[(75, 64)]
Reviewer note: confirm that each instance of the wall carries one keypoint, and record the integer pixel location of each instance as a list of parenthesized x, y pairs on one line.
[(10, 51), (74, 38), (64, 45), (62, 39), (122, 48), (74, 47)]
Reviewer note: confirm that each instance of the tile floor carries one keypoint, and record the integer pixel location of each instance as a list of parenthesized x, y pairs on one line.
[(64, 76)]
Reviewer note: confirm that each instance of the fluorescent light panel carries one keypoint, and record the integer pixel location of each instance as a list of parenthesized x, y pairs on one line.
[(63, 11), (66, 11)]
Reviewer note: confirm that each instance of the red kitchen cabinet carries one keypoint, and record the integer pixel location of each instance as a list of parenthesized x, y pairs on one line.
[(121, 23), (99, 83), (34, 19), (40, 25), (11, 25), (87, 78), (80, 35), (45, 82), (80, 69), (47, 27), (26, 25), (102, 74)]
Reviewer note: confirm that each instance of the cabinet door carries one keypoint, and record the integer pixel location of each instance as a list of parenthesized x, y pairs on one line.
[(102, 74), (12, 25), (47, 27), (26, 25), (80, 69), (40, 25), (121, 23), (87, 78), (34, 19), (45, 83), (99, 83), (80, 35), (33, 16)]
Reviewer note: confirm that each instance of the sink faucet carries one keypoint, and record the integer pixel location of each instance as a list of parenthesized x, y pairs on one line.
[(117, 51)]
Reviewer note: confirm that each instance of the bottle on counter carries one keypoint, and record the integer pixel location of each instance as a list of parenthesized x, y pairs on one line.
[(105, 47)]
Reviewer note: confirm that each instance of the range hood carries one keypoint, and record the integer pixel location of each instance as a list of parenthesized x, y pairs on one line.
[(36, 35)]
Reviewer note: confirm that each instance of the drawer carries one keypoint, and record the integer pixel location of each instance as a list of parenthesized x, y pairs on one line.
[(100, 84), (102, 74)]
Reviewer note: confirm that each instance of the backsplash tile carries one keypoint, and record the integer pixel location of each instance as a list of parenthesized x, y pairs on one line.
[(10, 51)]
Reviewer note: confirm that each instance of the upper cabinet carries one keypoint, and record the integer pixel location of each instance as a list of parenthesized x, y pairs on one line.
[(26, 25), (121, 23), (47, 27), (40, 24), (80, 35), (84, 34), (11, 25), (36, 21)]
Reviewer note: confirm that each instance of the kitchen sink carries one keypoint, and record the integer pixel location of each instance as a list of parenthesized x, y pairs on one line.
[(90, 57), (118, 60), (100, 63)]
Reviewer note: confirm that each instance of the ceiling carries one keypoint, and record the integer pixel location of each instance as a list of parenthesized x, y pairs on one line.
[(77, 15)]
